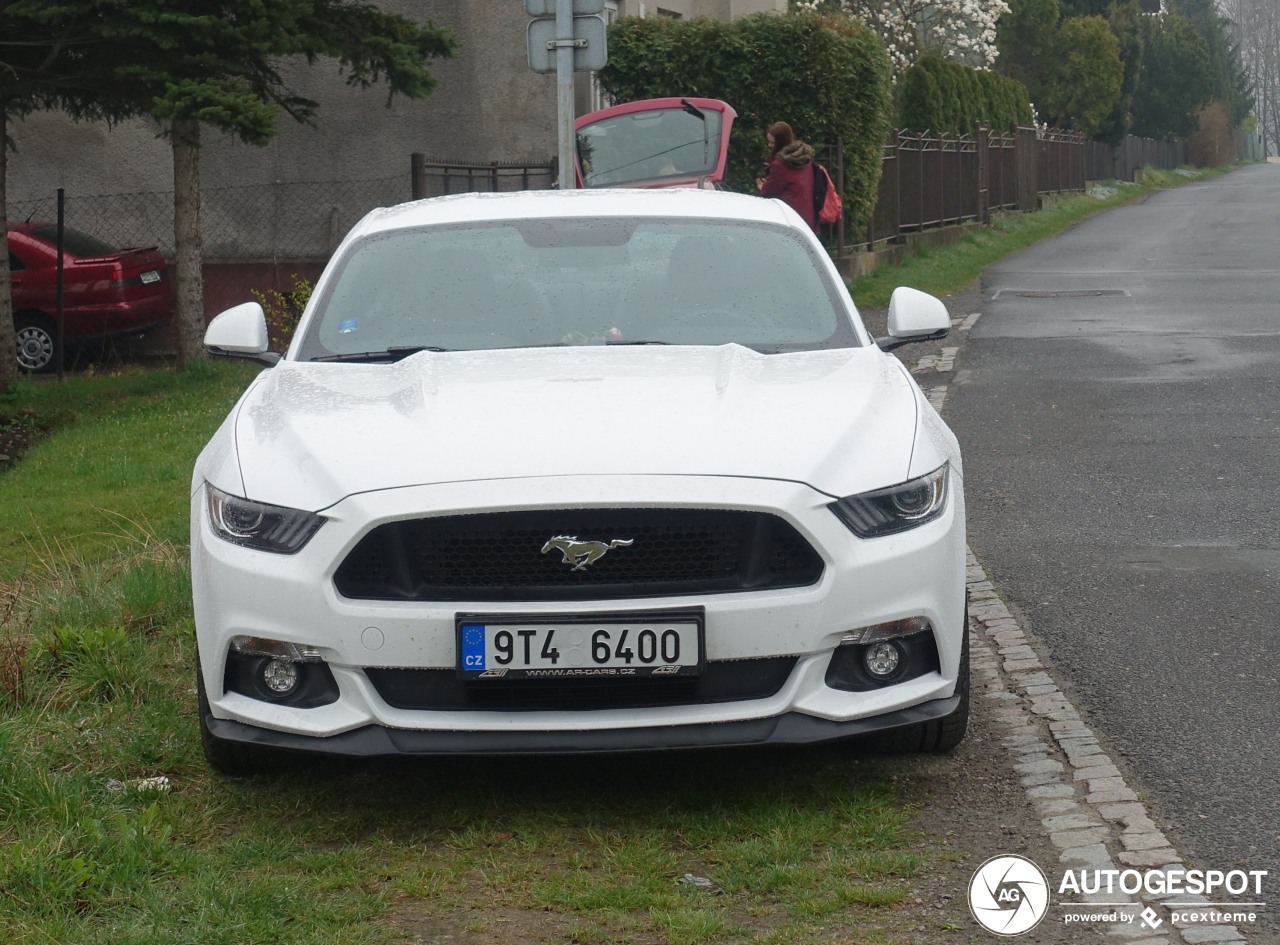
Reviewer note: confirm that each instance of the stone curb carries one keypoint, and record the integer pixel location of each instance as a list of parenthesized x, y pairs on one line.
[(1088, 811)]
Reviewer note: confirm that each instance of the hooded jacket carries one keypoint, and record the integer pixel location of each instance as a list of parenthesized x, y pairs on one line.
[(790, 178)]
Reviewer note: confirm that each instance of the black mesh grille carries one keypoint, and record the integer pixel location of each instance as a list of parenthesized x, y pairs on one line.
[(730, 681), (500, 556)]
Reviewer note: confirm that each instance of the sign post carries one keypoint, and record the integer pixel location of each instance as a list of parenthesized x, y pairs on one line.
[(566, 36)]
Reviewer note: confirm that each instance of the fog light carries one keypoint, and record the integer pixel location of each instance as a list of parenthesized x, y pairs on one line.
[(883, 655), (280, 676), (273, 672), (882, 659)]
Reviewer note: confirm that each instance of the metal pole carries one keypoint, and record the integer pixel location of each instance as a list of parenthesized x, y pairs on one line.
[(840, 190), (564, 90), (61, 334), (417, 175)]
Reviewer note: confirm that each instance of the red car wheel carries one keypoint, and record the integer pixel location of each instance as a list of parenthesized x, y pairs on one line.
[(36, 342)]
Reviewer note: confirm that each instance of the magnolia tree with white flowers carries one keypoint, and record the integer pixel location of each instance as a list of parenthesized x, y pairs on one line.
[(962, 31)]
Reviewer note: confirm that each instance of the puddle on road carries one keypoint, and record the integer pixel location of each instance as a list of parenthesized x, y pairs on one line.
[(1063, 293), (1204, 558)]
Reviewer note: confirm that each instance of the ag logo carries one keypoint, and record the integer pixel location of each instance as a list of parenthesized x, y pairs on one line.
[(1008, 895)]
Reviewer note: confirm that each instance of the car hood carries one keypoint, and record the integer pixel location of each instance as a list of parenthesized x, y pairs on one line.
[(842, 421)]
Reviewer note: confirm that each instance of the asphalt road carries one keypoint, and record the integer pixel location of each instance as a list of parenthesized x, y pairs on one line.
[(1118, 403)]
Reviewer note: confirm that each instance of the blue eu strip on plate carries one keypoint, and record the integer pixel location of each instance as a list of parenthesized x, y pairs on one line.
[(473, 646)]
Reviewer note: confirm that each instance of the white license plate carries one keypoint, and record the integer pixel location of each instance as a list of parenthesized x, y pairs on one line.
[(505, 648), (149, 277)]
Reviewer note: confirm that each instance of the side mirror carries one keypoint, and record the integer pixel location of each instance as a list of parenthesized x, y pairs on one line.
[(914, 316), (240, 332)]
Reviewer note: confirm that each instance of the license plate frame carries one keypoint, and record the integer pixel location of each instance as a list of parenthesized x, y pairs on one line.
[(578, 633), (150, 277)]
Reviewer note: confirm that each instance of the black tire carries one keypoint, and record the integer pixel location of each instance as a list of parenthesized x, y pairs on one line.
[(37, 342), (946, 733), (937, 735), (233, 759)]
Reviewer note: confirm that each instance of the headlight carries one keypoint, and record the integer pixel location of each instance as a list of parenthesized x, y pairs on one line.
[(257, 525), (897, 508)]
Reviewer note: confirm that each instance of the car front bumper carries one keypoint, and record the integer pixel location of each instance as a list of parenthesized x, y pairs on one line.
[(792, 728), (292, 598)]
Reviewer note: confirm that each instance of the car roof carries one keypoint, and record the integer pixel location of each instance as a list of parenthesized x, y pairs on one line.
[(551, 204)]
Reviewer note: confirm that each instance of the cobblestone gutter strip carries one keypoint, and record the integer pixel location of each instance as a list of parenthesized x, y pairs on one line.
[(1091, 816)]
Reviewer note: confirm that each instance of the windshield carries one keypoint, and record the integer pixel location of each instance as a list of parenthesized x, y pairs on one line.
[(649, 145), (569, 281)]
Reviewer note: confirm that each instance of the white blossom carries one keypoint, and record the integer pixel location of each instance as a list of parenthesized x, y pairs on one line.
[(960, 30)]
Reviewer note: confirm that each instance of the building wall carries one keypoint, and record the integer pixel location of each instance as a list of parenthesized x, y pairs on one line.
[(487, 106), (689, 9)]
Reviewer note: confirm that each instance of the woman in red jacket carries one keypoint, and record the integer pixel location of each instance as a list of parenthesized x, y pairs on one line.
[(790, 174)]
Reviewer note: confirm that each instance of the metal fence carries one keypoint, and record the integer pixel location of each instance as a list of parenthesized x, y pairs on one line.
[(1249, 146), (433, 178), (928, 181), (1059, 162), (934, 180), (1006, 189), (302, 220), (1123, 161), (281, 221)]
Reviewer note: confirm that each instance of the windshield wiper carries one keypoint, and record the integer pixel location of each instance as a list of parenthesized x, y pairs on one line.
[(642, 342), (394, 353)]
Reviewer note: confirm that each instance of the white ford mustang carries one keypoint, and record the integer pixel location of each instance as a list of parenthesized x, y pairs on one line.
[(578, 471)]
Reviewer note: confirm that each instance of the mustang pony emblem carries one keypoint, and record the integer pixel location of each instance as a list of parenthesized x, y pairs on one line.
[(580, 554)]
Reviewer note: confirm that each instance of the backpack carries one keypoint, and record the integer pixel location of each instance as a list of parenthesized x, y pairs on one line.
[(827, 205)]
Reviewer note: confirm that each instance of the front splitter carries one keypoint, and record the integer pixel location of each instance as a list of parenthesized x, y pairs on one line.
[(791, 728)]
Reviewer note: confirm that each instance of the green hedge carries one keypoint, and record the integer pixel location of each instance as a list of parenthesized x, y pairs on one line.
[(826, 75), (941, 96)]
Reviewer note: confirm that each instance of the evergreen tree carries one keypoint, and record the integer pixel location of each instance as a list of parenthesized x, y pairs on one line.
[(1086, 78), (1176, 79), (1026, 38), (1085, 7), (1071, 65), (919, 100), (1231, 84), (1125, 19), (195, 63)]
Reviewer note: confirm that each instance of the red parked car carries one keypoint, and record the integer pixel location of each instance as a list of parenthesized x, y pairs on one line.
[(105, 291)]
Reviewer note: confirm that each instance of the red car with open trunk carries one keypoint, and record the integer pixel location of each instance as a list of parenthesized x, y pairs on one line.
[(657, 142)]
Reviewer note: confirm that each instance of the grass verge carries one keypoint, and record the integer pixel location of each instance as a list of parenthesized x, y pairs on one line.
[(114, 455), (97, 704)]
